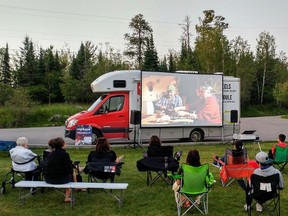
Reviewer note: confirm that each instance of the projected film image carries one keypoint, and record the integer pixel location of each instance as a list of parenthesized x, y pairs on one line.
[(181, 99)]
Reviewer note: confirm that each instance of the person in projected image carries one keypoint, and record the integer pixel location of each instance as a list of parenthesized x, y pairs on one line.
[(169, 102), (205, 110)]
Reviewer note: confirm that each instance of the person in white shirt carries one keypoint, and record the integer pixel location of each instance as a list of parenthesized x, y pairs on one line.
[(23, 158)]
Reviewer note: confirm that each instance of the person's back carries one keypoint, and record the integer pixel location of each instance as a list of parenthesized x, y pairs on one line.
[(193, 159), (238, 155), (154, 148), (102, 151), (266, 169), (23, 158), (46, 152), (58, 168), (99, 158), (281, 143), (108, 156)]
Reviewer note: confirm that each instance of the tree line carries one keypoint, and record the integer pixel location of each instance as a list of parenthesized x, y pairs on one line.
[(56, 76)]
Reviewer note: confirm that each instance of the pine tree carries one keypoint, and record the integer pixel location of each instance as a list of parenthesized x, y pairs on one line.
[(151, 62), (6, 77), (26, 73), (137, 41), (172, 64), (163, 65)]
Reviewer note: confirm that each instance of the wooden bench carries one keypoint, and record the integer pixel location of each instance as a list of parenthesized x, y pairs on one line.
[(73, 185)]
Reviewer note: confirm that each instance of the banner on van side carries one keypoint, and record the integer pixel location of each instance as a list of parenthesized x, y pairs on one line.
[(181, 99), (83, 135)]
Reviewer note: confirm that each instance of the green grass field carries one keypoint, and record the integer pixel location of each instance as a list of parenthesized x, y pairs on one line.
[(139, 199)]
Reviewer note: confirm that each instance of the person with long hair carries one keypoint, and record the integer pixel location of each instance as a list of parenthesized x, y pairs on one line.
[(103, 151), (101, 154), (192, 159)]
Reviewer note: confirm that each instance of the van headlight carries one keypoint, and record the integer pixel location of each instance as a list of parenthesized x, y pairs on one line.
[(72, 122)]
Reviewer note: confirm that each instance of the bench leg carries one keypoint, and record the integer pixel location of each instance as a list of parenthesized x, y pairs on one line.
[(23, 195), (71, 198), (120, 198)]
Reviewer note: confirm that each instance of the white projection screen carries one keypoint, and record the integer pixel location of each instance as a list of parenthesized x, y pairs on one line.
[(181, 99)]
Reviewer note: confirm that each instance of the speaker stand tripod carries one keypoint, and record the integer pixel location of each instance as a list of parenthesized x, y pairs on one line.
[(135, 144)]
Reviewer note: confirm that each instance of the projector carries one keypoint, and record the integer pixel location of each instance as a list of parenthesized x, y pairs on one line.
[(246, 136)]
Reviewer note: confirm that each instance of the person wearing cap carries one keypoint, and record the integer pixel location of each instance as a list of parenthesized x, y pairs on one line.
[(265, 169), (167, 103), (23, 158)]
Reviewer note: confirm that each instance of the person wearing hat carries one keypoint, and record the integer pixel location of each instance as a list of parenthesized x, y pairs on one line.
[(167, 103), (265, 169)]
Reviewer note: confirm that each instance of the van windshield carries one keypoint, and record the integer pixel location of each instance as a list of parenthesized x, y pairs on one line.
[(95, 104)]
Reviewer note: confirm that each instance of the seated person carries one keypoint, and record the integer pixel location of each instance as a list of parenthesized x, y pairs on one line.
[(23, 158), (50, 149), (102, 153), (238, 151), (281, 143), (193, 159), (154, 141), (265, 169), (167, 103), (58, 168)]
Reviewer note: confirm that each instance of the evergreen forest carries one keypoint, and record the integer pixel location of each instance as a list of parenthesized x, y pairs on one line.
[(46, 76)]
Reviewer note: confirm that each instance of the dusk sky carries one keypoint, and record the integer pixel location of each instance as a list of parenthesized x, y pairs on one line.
[(70, 22)]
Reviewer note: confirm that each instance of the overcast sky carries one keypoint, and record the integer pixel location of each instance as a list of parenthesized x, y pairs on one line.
[(70, 22)]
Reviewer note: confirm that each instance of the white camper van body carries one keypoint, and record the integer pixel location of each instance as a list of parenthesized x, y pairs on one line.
[(128, 83)]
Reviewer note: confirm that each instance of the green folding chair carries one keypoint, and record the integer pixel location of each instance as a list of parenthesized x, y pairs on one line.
[(196, 183), (280, 158)]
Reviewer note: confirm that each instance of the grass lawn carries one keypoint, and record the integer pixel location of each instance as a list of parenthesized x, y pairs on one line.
[(139, 199)]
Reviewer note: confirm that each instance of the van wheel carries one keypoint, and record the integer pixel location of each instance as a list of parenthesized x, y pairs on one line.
[(95, 134), (196, 136)]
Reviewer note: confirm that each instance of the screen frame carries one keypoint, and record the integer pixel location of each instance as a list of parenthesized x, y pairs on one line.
[(148, 79)]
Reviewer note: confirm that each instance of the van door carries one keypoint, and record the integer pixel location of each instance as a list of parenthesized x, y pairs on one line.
[(115, 116)]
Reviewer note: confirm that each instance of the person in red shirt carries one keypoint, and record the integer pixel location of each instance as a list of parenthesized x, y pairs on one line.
[(210, 111), (281, 143), (204, 110)]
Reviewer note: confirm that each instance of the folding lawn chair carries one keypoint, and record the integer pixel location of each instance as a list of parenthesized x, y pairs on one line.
[(102, 171), (16, 176), (233, 157), (159, 161), (194, 188), (266, 192), (280, 159)]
